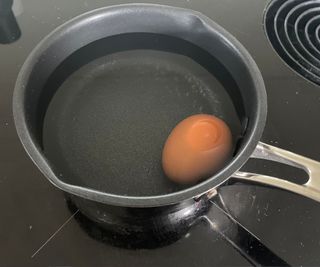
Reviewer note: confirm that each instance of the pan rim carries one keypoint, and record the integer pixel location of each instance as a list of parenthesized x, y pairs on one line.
[(223, 175)]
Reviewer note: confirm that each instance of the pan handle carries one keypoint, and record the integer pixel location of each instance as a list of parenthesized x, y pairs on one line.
[(310, 189)]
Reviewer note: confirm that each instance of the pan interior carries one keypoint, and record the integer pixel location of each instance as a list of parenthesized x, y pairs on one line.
[(106, 125)]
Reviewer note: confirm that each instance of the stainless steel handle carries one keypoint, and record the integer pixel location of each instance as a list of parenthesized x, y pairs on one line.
[(310, 189)]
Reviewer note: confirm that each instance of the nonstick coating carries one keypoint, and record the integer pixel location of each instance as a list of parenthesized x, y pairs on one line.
[(107, 123)]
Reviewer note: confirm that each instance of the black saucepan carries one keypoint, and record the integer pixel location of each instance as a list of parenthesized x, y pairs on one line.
[(96, 99)]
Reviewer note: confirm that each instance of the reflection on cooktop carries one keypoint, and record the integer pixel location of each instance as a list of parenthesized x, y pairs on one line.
[(102, 235), (214, 217), (138, 235)]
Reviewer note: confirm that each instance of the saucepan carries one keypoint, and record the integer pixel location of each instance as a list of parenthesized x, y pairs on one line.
[(96, 99)]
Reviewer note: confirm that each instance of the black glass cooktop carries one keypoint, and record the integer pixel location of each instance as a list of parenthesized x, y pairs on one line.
[(38, 227)]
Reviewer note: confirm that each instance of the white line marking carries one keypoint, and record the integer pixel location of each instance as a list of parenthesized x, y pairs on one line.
[(54, 234)]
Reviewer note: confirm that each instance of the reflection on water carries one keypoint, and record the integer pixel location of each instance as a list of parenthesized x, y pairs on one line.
[(9, 28)]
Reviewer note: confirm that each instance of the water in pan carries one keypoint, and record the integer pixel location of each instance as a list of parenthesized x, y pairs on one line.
[(106, 125)]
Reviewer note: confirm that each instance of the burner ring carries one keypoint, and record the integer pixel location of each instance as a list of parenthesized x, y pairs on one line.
[(310, 34), (293, 29), (317, 37), (299, 35)]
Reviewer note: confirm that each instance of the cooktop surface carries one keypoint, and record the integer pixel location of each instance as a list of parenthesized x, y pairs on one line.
[(38, 226)]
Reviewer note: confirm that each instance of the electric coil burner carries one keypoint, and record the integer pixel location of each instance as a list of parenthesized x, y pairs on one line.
[(293, 29)]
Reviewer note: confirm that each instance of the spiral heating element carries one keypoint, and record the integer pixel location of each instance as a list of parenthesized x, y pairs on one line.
[(293, 29)]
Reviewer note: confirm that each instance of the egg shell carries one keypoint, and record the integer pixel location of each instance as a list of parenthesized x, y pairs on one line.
[(196, 148)]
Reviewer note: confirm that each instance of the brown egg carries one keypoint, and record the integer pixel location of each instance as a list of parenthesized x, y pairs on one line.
[(196, 148)]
